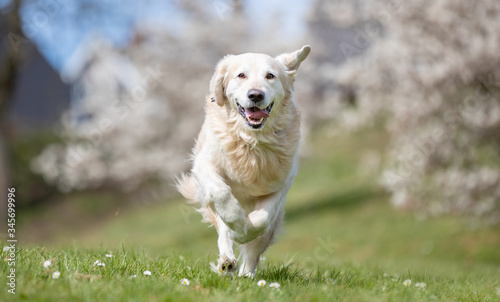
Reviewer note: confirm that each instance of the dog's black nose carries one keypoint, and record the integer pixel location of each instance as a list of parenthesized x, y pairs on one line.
[(255, 95)]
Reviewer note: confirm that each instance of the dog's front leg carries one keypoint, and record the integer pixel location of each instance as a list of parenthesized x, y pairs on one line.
[(227, 262), (262, 225), (230, 212), (215, 193), (261, 217), (229, 216)]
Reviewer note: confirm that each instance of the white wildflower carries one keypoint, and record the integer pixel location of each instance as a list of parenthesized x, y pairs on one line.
[(56, 275), (274, 285), (420, 285)]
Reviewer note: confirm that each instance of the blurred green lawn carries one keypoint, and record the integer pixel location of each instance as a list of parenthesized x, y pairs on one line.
[(335, 215)]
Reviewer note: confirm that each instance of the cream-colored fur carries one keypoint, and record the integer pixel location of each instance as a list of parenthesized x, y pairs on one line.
[(241, 175)]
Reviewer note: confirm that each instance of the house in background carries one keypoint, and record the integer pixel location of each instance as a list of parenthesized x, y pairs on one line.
[(40, 96)]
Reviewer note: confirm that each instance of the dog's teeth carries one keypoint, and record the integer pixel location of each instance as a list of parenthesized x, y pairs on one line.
[(254, 122)]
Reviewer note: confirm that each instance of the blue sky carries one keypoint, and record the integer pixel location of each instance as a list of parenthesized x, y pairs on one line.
[(58, 26)]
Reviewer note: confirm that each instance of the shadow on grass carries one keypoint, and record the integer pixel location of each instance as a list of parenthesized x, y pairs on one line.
[(343, 200)]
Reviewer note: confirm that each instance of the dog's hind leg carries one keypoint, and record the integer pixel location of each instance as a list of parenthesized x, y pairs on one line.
[(227, 263)]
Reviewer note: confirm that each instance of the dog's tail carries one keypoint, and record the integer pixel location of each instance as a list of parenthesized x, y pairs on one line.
[(187, 185)]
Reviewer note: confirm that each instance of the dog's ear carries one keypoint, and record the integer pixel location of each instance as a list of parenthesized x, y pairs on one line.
[(217, 82), (292, 60)]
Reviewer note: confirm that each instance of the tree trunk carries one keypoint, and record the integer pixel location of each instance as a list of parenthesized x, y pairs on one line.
[(8, 74)]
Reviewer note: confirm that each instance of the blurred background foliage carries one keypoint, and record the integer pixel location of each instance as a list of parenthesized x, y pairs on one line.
[(101, 102)]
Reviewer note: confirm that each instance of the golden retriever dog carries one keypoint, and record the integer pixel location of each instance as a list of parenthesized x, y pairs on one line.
[(245, 158)]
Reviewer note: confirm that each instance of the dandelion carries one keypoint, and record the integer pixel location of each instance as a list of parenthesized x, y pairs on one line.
[(331, 281), (47, 263), (407, 282), (185, 281), (56, 275), (274, 285), (261, 282), (147, 273), (108, 255), (99, 263), (420, 285)]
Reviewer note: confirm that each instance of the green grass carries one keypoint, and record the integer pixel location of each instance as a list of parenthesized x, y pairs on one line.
[(339, 226), (80, 280)]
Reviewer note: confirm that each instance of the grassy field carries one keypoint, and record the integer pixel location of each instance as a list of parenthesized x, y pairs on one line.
[(341, 241)]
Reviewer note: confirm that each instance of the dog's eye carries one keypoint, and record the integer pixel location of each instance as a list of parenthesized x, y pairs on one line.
[(241, 75), (270, 76)]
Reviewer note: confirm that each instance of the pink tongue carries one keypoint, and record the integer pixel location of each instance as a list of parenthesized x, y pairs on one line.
[(255, 113)]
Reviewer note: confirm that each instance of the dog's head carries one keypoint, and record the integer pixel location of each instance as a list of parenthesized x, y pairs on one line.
[(251, 84)]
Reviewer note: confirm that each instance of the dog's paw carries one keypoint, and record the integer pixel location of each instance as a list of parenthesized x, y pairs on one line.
[(227, 265)]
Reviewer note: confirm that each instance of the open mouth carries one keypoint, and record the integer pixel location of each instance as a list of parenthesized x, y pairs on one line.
[(254, 116)]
